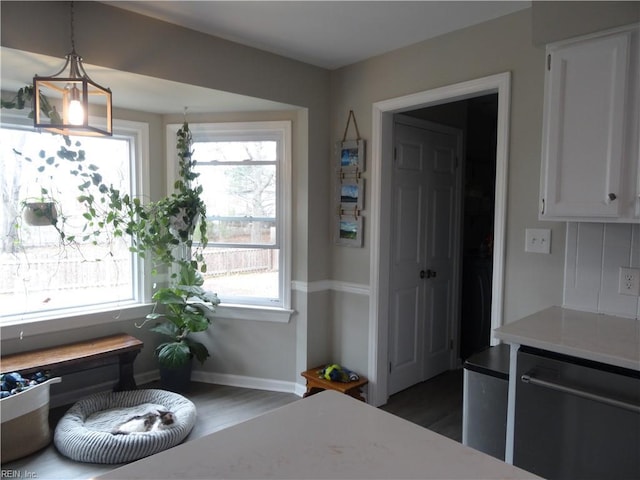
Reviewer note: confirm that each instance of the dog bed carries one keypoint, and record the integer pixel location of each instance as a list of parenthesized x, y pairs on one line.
[(84, 432)]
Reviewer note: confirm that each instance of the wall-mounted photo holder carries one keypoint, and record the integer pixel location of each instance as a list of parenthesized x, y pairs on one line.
[(351, 194), (351, 156), (350, 230), (349, 187)]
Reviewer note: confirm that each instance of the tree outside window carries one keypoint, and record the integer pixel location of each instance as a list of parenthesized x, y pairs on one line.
[(40, 273), (241, 172)]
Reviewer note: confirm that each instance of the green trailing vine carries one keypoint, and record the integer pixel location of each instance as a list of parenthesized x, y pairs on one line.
[(162, 230), (25, 96), (155, 228)]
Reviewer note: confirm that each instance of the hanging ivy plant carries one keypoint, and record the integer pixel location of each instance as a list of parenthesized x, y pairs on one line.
[(24, 97), (161, 230)]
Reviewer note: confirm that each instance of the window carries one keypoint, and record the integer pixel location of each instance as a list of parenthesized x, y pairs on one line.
[(245, 173), (42, 277)]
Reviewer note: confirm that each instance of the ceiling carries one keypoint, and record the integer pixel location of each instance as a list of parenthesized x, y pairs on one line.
[(328, 34)]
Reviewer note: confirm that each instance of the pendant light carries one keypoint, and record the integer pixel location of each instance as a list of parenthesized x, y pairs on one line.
[(72, 88)]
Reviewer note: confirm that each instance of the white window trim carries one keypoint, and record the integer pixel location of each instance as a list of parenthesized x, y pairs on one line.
[(249, 311), (16, 326), (256, 313)]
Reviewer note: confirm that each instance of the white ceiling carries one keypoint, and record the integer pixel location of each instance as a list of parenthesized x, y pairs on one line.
[(329, 34)]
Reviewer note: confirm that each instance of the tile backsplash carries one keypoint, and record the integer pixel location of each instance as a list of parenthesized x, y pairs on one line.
[(594, 254)]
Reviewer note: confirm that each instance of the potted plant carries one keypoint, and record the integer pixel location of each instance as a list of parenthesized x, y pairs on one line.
[(39, 213), (165, 230), (162, 230), (186, 308)]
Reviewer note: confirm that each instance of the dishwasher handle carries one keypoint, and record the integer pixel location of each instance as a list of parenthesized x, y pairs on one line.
[(527, 378)]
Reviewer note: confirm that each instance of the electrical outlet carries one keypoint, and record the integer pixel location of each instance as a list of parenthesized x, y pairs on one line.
[(537, 240), (629, 283)]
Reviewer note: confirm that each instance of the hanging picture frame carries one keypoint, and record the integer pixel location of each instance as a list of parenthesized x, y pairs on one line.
[(351, 156), (350, 194), (349, 188), (349, 230)]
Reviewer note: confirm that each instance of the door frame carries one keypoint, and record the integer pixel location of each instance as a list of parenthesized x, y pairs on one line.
[(379, 216)]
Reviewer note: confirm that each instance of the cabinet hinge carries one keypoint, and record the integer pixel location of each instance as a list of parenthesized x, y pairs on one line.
[(549, 62), (451, 344), (389, 367)]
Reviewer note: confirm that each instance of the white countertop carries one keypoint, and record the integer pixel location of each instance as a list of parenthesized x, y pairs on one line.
[(592, 336), (326, 436)]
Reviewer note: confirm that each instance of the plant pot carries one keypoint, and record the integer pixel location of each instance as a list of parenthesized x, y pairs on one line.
[(40, 214), (176, 379), (181, 225)]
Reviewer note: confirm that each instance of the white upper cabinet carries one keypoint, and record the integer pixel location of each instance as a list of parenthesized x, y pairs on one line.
[(590, 152)]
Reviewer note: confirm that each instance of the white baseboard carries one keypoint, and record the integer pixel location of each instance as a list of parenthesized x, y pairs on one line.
[(248, 382), (300, 390), (72, 396), (147, 377)]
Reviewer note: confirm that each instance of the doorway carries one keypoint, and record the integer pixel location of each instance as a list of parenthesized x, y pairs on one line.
[(381, 214), (477, 117)]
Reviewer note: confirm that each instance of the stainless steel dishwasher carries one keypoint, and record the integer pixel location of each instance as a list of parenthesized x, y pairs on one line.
[(575, 418)]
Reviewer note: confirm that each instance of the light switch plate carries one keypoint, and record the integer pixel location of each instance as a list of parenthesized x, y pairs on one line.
[(537, 240)]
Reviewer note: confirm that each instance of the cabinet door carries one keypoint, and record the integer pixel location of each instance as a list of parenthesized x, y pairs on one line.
[(584, 125)]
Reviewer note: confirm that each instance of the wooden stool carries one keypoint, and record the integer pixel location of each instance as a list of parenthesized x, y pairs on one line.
[(316, 383)]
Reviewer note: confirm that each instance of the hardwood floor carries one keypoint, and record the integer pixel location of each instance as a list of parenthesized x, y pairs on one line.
[(435, 404), (218, 407)]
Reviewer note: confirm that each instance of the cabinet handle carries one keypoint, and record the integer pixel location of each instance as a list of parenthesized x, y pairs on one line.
[(612, 197), (614, 402)]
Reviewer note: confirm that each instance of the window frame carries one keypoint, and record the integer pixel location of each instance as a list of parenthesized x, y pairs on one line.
[(14, 326), (234, 131)]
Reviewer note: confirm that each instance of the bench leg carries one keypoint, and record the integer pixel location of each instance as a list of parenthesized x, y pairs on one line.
[(126, 382), (312, 391), (355, 393)]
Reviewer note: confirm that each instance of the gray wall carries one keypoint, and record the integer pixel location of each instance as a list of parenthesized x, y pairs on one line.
[(532, 281), (117, 39), (331, 323), (554, 21), (501, 45)]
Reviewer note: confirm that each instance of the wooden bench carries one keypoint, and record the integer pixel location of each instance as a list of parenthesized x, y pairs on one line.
[(317, 383), (75, 357)]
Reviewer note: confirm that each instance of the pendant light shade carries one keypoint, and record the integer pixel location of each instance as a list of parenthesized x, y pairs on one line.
[(72, 91)]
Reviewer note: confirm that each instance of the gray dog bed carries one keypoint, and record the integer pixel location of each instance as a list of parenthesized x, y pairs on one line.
[(84, 432)]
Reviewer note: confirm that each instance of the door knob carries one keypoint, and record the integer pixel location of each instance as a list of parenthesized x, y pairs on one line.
[(428, 274), (612, 196)]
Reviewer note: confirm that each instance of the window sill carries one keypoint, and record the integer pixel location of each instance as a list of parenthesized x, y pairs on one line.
[(17, 327), (255, 313)]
